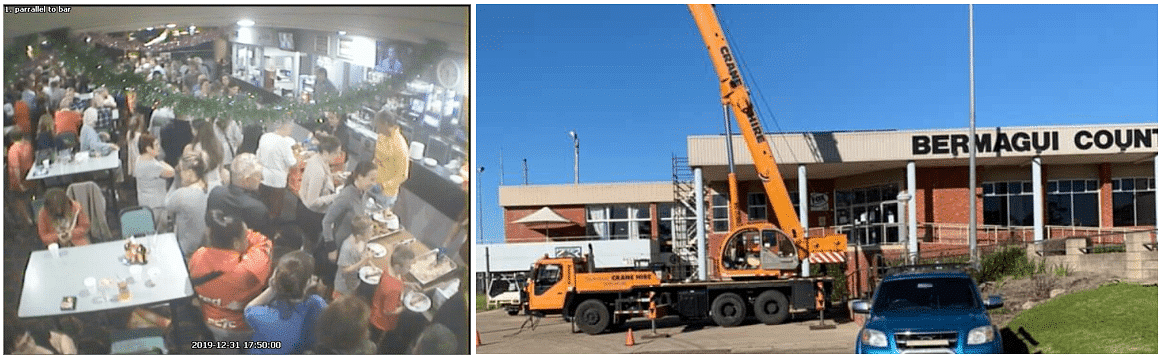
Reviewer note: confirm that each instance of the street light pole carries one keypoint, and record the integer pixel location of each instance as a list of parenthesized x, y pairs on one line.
[(480, 211), (576, 151), (972, 153)]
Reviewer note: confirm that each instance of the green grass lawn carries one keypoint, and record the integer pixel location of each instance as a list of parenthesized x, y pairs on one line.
[(481, 299), (1119, 318)]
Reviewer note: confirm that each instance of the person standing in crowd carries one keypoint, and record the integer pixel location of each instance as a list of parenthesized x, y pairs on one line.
[(20, 160), (391, 159), (56, 93), (387, 304), (90, 140), (22, 114), (335, 127), (240, 199), (136, 128), (175, 137), (99, 110), (151, 177), (231, 270), (353, 254), (287, 311), (67, 120), (228, 133), (159, 119), (27, 94), (323, 85), (44, 133), (206, 145), (318, 188), (337, 222), (342, 329), (62, 221), (187, 205), (277, 155)]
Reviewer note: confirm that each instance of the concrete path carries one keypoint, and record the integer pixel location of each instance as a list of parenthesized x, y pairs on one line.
[(501, 333)]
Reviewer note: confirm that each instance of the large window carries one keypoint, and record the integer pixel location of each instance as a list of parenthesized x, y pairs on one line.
[(757, 206), (869, 215), (1008, 203), (720, 220), (618, 221), (1072, 202), (795, 203), (670, 224), (1133, 201)]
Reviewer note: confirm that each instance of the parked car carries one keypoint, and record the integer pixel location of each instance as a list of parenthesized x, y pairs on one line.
[(928, 309)]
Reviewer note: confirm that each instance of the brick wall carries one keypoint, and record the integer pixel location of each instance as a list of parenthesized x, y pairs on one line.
[(519, 232)]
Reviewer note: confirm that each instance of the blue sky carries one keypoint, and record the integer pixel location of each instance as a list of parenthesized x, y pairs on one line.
[(635, 80)]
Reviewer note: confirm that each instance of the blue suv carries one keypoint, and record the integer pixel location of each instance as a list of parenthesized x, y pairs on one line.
[(928, 310)]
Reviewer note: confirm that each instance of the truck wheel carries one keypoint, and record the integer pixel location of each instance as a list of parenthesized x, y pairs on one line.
[(728, 310), (592, 317), (771, 307)]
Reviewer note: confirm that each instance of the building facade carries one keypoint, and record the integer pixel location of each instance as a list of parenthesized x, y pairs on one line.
[(892, 192)]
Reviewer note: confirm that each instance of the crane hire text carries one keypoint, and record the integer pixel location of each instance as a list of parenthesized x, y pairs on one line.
[(1036, 141)]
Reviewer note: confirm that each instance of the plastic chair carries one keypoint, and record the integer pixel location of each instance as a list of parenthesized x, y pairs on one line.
[(138, 341), (137, 221)]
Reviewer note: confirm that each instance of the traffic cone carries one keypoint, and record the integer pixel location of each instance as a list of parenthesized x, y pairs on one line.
[(478, 338), (629, 337)]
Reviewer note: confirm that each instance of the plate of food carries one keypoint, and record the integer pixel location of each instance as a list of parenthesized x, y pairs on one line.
[(378, 250), (389, 219), (370, 274), (417, 302)]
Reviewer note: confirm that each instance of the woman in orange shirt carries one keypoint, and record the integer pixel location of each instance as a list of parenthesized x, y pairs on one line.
[(231, 270), (62, 221)]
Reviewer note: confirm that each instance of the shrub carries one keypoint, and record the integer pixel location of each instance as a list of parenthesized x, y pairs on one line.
[(1007, 261)]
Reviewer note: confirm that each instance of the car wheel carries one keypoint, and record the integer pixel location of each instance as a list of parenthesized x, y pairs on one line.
[(592, 317), (771, 307), (728, 310)]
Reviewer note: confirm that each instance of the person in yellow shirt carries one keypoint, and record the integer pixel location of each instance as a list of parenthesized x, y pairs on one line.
[(391, 159)]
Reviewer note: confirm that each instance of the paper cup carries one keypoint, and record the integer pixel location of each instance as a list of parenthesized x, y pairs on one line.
[(91, 284), (416, 150), (393, 222), (135, 271)]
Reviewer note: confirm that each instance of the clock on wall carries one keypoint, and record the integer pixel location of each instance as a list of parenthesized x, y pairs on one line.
[(448, 73)]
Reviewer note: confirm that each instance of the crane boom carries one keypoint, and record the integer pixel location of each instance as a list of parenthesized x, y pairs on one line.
[(736, 95)]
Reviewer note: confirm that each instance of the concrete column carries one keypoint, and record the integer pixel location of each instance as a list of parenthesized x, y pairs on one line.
[(911, 174), (701, 222), (805, 270), (1039, 200)]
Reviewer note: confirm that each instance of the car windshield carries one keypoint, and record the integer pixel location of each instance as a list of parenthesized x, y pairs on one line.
[(935, 293)]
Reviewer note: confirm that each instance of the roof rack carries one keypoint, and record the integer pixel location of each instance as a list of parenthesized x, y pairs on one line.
[(919, 268)]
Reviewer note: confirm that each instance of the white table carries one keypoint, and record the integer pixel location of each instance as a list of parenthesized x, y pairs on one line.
[(92, 164), (108, 162), (47, 280)]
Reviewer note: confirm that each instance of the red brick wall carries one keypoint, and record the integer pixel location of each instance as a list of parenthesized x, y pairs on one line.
[(942, 195), (1106, 215), (518, 232)]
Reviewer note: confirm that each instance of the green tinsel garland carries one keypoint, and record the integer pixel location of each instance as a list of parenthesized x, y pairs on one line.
[(81, 58)]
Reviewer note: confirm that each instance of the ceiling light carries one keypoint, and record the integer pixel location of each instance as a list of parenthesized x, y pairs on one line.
[(341, 33), (246, 22)]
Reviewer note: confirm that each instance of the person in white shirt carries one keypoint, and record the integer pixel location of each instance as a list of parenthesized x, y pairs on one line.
[(277, 155)]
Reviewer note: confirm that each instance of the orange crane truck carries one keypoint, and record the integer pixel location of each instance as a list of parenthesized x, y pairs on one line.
[(756, 266)]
